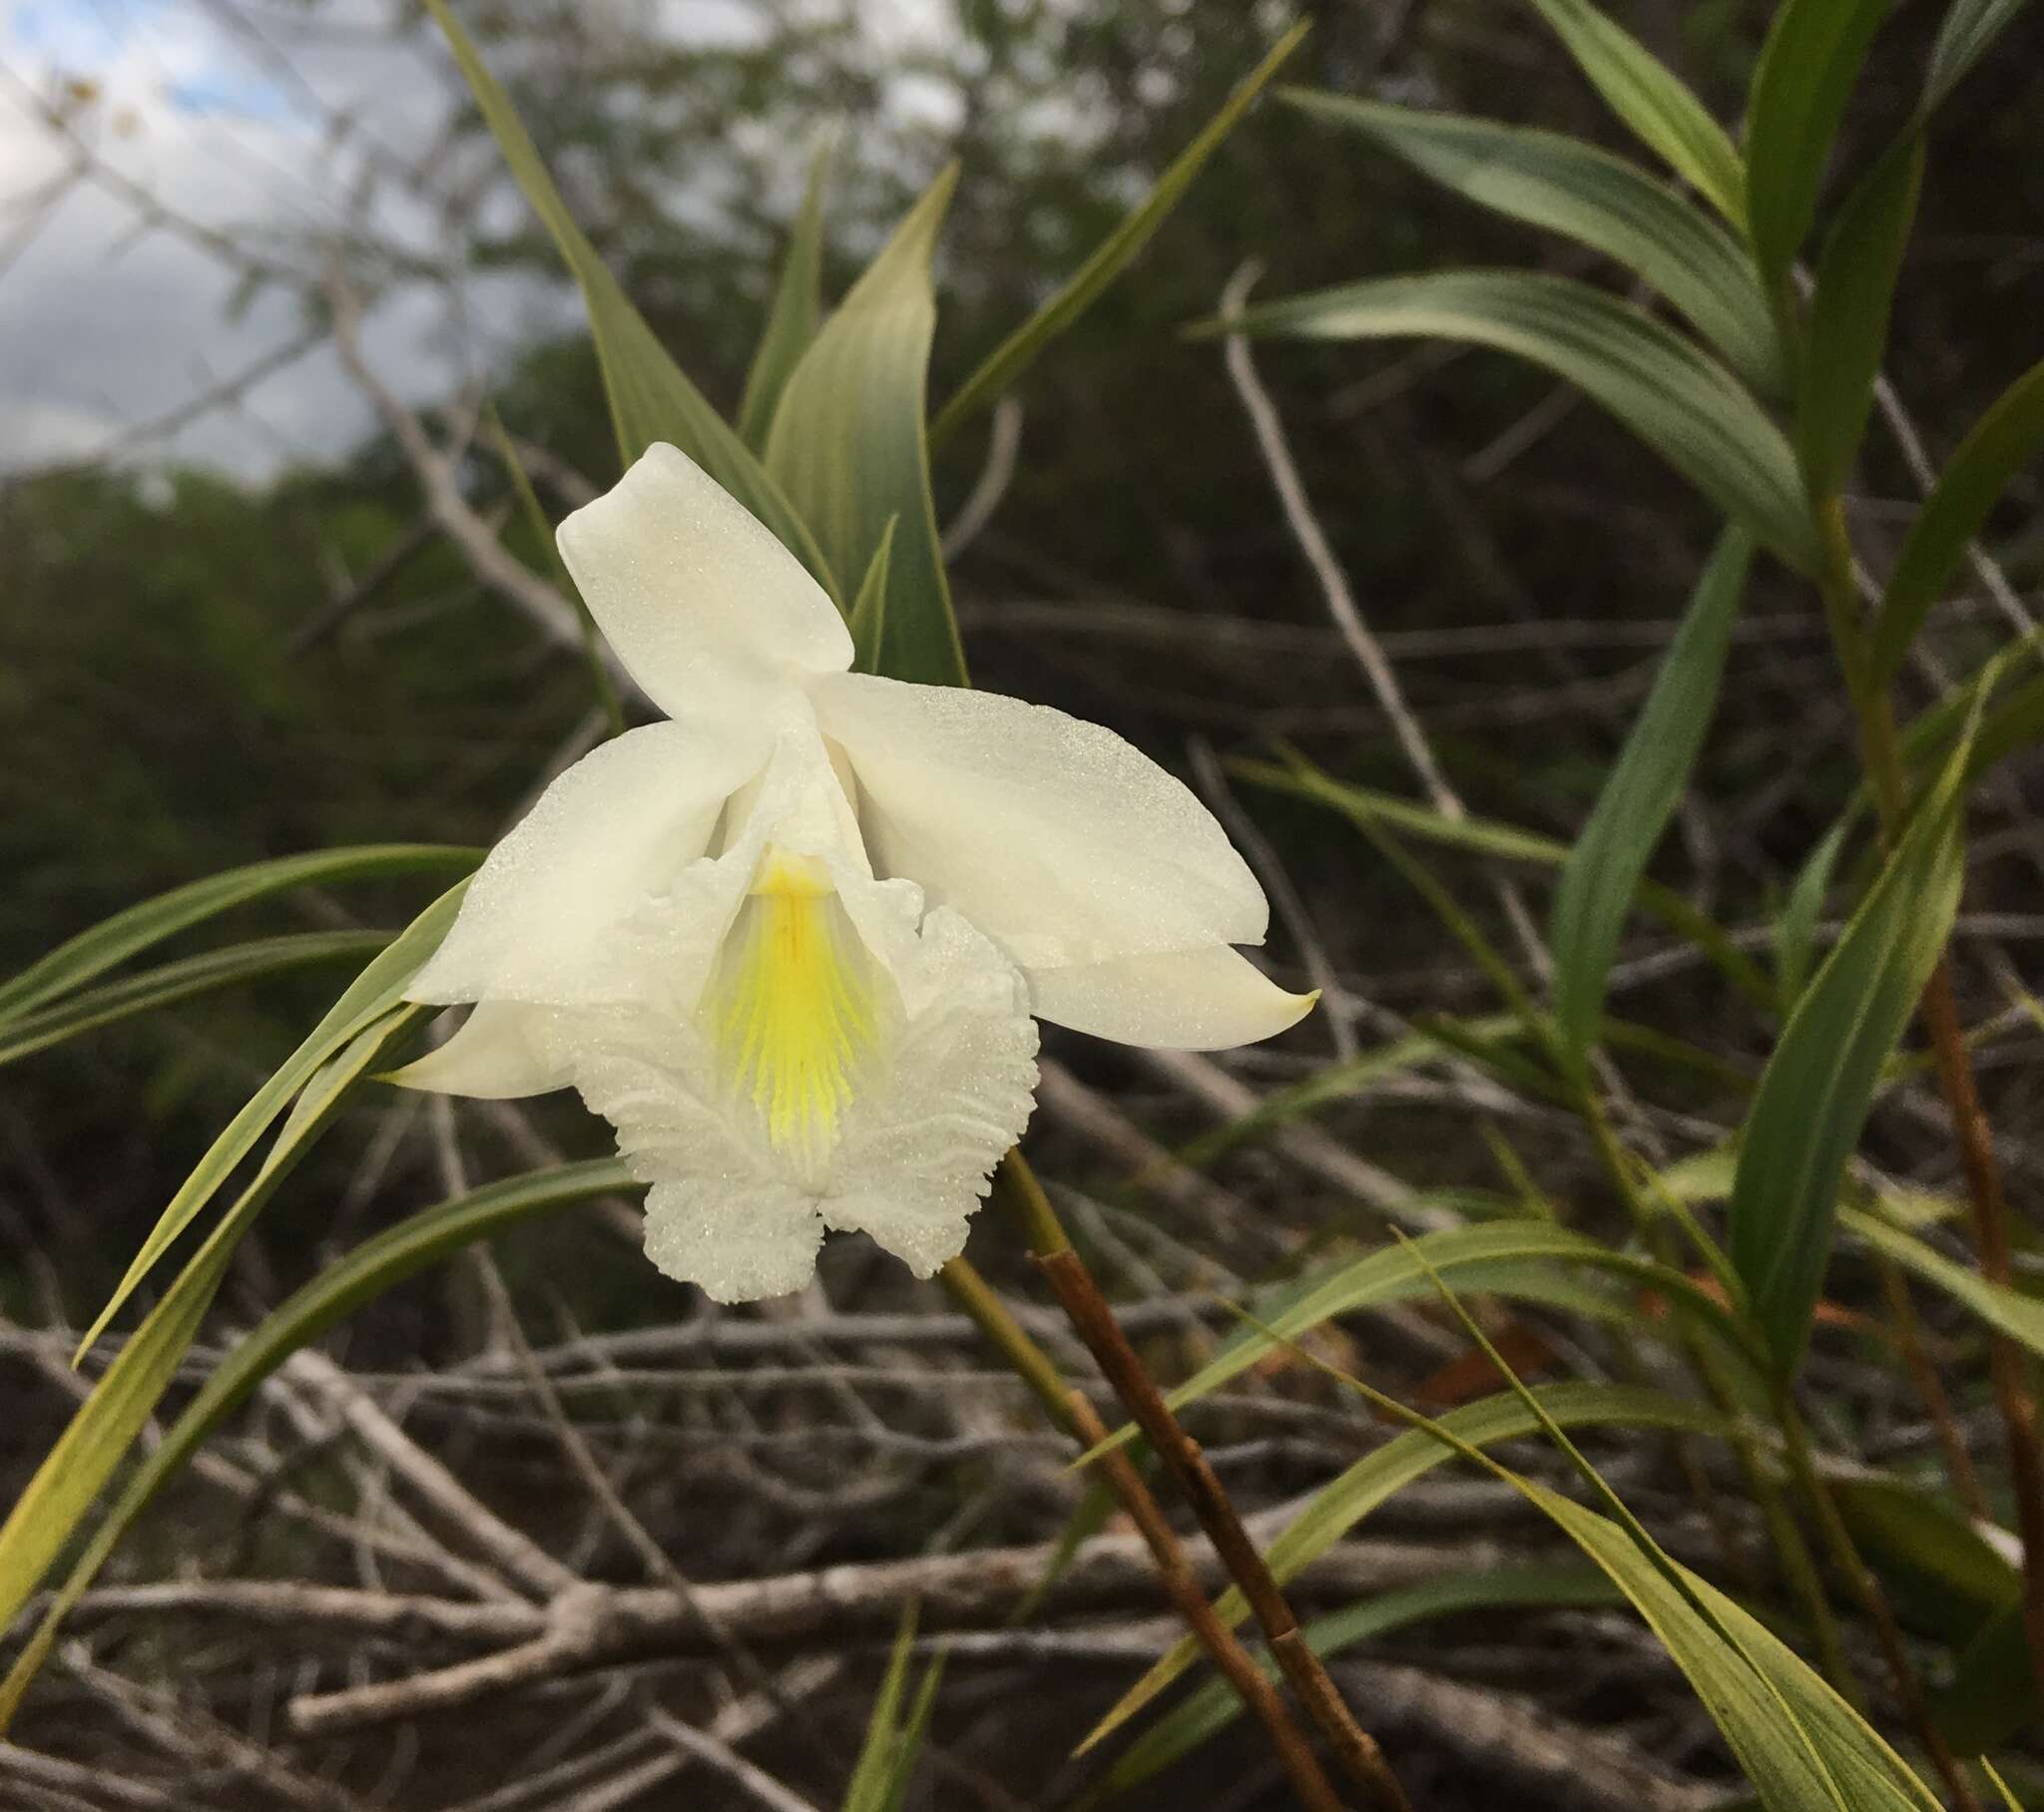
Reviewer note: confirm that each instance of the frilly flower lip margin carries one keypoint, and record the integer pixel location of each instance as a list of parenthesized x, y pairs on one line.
[(789, 942)]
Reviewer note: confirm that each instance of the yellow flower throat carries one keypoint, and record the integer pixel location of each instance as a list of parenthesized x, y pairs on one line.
[(794, 1006)]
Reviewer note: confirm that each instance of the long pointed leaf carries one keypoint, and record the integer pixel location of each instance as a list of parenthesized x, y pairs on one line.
[(651, 398), (366, 1272), (792, 319), (997, 373), (1817, 1090), (1605, 867), (1548, 179), (1677, 399), (849, 444)]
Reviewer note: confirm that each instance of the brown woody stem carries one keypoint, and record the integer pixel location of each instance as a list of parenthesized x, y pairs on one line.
[(1095, 1323)]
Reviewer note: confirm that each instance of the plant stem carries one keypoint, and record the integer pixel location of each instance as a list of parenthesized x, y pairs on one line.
[(1095, 1323), (1845, 1555), (1071, 1410), (2007, 1363)]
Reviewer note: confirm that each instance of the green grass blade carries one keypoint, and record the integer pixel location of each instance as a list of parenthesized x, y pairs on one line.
[(106, 1423), (1645, 94), (1499, 1257), (869, 609), (1603, 869), (1800, 85), (180, 981), (373, 994), (1818, 1086), (1848, 322), (997, 373), (797, 310), (1992, 1696), (2001, 1786), (1550, 180), (1510, 843), (1339, 1506), (1213, 1706), (651, 398), (366, 1274), (848, 442), (1968, 30), (872, 1774), (2004, 440), (1661, 385), (129, 932), (1796, 928), (2008, 1311)]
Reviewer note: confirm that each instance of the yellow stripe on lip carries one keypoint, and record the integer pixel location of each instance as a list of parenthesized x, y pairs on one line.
[(792, 1008)]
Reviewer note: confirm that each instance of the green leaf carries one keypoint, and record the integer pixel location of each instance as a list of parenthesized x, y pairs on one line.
[(1848, 322), (1001, 367), (1796, 929), (2008, 1311), (366, 1274), (1510, 843), (1818, 1088), (1338, 1506), (886, 1761), (1493, 1257), (1799, 88), (651, 398), (1939, 1568), (848, 442), (796, 309), (1661, 111), (1213, 1706), (1969, 29), (869, 607), (1604, 868), (107, 1422), (194, 975), (134, 930), (373, 994), (1675, 397), (2002, 443), (2001, 1786), (1567, 187)]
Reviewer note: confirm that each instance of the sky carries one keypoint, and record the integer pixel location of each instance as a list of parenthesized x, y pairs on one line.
[(108, 324)]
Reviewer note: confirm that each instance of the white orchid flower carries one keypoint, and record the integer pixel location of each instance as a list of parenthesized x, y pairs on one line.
[(789, 942)]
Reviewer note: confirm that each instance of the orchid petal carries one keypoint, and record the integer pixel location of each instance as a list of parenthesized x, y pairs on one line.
[(1207, 999), (708, 611), (1058, 839), (539, 920), (500, 1054)]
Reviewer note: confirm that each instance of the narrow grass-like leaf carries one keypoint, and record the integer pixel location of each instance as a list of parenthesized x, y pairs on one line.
[(886, 1760), (1603, 869), (1796, 928), (1818, 1086), (1341, 1505), (1510, 843), (848, 442), (869, 607), (651, 398), (792, 318), (366, 1274), (1849, 321), (181, 981), (1645, 94), (1494, 1255), (1938, 1566), (1673, 397), (2001, 1786), (1800, 85), (74, 963), (2008, 1311), (1210, 1710), (1968, 30), (997, 373), (2001, 444), (1548, 179), (373, 994), (100, 1431)]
